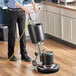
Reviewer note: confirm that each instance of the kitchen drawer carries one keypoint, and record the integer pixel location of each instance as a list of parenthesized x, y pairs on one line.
[(68, 13), (54, 9)]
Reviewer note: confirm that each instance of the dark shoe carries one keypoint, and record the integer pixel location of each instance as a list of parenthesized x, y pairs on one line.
[(13, 58), (26, 58)]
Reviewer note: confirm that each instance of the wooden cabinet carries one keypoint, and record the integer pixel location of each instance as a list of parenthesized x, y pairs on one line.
[(73, 31), (68, 19), (69, 29), (53, 21), (57, 26), (66, 28), (50, 23), (61, 23)]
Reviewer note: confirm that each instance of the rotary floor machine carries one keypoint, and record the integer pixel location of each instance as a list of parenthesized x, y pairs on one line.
[(46, 63)]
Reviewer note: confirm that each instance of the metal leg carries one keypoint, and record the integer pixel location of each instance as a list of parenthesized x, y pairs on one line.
[(39, 49)]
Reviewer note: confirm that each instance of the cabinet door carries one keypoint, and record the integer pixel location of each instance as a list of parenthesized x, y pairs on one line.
[(57, 26), (73, 31), (50, 23), (66, 28)]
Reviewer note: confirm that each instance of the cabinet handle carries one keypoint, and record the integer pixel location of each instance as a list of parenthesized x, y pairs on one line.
[(39, 8)]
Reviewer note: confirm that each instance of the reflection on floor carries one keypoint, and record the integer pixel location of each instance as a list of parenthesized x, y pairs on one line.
[(63, 55)]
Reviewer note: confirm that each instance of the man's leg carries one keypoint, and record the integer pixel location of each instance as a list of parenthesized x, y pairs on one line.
[(21, 24), (11, 22)]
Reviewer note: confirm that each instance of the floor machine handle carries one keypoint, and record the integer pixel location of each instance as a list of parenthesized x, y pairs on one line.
[(31, 19)]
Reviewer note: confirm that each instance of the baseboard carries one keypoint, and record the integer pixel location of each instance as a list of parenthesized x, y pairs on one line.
[(61, 41)]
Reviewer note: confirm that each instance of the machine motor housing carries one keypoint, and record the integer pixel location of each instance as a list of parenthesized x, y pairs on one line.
[(48, 65), (36, 33), (47, 58)]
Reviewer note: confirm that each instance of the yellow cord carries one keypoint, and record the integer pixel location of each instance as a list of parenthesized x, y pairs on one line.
[(16, 44)]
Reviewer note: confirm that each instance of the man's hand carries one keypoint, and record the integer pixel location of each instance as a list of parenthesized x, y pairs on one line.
[(27, 11), (36, 9), (22, 7), (17, 4)]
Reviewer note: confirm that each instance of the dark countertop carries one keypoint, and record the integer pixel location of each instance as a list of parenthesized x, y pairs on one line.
[(71, 7)]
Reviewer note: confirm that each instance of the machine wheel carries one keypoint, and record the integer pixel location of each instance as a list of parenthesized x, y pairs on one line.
[(34, 63), (48, 69)]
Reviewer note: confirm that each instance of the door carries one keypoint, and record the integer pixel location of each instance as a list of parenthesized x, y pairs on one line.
[(50, 23), (66, 28), (73, 32), (57, 26)]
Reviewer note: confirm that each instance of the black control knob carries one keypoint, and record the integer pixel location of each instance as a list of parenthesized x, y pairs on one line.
[(39, 8)]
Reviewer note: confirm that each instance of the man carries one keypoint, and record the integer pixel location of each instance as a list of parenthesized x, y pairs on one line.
[(16, 13)]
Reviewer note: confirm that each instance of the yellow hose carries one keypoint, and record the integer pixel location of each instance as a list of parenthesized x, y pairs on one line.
[(17, 42)]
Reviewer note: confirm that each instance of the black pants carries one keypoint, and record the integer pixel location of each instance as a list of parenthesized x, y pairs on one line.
[(12, 18)]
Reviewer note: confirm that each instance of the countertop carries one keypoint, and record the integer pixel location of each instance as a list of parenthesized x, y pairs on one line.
[(71, 7)]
